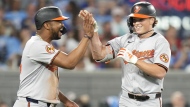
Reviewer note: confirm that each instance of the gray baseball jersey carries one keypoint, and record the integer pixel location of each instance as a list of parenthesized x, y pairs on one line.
[(154, 49), (38, 78)]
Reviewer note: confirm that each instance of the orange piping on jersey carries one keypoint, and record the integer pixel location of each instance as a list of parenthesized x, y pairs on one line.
[(54, 57), (52, 68), (162, 66)]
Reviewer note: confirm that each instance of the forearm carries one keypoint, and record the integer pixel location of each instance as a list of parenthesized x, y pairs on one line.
[(97, 47), (62, 97), (75, 56), (153, 70)]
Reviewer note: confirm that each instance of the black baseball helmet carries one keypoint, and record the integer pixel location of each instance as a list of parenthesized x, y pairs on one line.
[(140, 10), (46, 14), (143, 10)]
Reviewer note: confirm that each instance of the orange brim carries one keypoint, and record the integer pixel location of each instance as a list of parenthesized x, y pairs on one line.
[(139, 15), (61, 18)]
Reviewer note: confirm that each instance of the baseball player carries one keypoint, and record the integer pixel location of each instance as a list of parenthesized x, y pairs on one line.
[(145, 56), (39, 75)]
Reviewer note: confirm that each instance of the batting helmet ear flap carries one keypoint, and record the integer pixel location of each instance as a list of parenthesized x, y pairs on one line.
[(130, 24)]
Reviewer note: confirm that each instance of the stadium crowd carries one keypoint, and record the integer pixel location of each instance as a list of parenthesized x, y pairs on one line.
[(17, 26)]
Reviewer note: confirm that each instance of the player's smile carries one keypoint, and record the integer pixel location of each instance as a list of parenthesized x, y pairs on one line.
[(138, 27), (60, 34), (137, 22)]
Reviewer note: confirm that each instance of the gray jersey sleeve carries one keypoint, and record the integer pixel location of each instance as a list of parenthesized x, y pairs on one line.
[(42, 52), (117, 43), (162, 53)]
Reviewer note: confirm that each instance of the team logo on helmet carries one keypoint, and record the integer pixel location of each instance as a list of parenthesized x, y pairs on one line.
[(50, 49), (164, 57), (137, 9)]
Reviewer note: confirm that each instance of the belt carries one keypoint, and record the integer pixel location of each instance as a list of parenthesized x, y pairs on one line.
[(143, 97), (37, 101)]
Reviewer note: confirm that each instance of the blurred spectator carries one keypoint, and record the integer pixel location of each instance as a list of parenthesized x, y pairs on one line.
[(118, 24), (110, 101), (73, 9), (24, 36), (28, 22), (91, 6), (102, 13), (42, 3), (184, 58), (177, 100), (175, 46), (83, 101), (113, 101), (15, 14), (186, 51), (3, 47), (14, 49)]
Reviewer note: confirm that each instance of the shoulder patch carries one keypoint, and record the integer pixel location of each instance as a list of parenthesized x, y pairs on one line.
[(164, 57), (50, 49)]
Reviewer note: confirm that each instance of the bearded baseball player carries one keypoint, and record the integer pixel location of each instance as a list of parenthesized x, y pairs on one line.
[(145, 56), (39, 75)]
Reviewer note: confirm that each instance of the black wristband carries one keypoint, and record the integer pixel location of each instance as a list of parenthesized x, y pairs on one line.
[(86, 36)]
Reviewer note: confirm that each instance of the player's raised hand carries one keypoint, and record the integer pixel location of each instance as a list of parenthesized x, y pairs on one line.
[(83, 14), (70, 104), (88, 25), (127, 56)]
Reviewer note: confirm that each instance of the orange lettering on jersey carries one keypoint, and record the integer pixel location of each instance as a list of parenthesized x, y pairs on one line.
[(137, 9), (52, 68), (143, 54), (50, 49)]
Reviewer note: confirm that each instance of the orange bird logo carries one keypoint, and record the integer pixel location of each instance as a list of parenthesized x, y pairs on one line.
[(137, 9)]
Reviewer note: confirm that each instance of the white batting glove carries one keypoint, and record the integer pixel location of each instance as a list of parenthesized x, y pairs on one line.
[(83, 14), (127, 56)]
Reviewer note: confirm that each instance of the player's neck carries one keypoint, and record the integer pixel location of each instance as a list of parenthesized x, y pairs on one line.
[(43, 37), (146, 34)]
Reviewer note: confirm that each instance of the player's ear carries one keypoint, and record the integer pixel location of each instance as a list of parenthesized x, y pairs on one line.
[(46, 25), (152, 20)]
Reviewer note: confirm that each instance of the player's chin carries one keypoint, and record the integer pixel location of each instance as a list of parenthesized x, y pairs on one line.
[(138, 32), (57, 37)]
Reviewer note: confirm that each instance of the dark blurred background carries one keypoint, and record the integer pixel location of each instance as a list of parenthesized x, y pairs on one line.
[(17, 26)]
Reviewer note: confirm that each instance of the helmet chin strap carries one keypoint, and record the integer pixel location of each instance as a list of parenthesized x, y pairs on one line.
[(145, 32)]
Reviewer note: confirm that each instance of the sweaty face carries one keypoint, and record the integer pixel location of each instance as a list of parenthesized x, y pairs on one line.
[(142, 25), (56, 27)]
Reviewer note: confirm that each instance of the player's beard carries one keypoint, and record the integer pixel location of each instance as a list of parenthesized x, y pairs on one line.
[(55, 34)]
